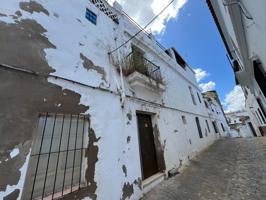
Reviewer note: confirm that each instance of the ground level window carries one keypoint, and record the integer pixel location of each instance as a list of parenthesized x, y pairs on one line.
[(56, 162), (199, 128)]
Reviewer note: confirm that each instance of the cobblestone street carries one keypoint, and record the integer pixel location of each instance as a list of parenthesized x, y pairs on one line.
[(231, 169)]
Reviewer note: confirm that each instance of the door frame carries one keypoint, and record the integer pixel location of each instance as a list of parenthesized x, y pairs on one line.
[(153, 122)]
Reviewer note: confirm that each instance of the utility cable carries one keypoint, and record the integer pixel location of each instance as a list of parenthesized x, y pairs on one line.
[(142, 29)]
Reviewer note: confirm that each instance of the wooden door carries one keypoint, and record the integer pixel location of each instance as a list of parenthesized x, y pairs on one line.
[(147, 146)]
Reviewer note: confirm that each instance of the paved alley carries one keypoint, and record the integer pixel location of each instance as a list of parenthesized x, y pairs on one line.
[(231, 169)]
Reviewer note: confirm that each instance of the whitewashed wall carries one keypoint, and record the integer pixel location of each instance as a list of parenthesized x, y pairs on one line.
[(72, 34)]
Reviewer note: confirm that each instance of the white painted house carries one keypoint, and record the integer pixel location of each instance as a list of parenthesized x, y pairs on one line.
[(240, 124), (88, 117), (242, 26)]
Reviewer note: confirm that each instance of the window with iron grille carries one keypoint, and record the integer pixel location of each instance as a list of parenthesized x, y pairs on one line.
[(91, 16), (57, 155)]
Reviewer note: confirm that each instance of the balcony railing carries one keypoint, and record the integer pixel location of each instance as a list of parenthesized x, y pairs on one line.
[(136, 62)]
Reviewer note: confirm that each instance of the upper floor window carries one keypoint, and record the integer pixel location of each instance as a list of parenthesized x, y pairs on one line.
[(199, 97), (91, 16), (206, 104), (192, 95)]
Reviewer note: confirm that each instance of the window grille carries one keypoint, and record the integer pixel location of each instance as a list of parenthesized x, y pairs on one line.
[(56, 166), (91, 16)]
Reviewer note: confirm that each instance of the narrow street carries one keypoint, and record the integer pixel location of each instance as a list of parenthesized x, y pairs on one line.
[(231, 169)]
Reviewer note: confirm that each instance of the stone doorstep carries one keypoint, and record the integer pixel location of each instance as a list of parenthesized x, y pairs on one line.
[(152, 181)]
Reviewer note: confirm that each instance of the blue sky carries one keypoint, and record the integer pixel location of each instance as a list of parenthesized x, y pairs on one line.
[(194, 35)]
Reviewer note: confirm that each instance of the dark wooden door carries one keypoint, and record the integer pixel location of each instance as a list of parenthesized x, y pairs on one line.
[(147, 146)]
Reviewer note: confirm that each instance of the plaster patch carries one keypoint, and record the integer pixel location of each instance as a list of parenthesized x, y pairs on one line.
[(33, 6), (88, 64), (20, 184), (14, 153), (128, 191)]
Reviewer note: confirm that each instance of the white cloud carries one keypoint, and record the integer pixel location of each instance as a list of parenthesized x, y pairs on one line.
[(143, 11), (207, 86), (234, 100), (200, 74)]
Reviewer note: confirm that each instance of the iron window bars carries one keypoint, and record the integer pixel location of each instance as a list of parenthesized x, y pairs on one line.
[(56, 161)]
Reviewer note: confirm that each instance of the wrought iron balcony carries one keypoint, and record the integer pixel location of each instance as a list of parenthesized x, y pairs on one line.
[(135, 62)]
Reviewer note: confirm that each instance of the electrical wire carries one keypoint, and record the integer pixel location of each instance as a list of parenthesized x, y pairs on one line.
[(142, 29)]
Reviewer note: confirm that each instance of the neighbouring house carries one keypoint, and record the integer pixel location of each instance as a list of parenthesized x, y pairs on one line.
[(84, 117), (240, 124), (216, 112), (241, 24)]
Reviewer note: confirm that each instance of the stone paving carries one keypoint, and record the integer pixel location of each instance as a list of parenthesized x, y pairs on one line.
[(231, 169)]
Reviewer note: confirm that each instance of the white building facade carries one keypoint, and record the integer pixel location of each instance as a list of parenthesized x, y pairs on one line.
[(240, 124), (241, 24), (84, 119)]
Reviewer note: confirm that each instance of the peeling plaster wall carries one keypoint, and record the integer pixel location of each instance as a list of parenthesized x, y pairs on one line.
[(54, 38)]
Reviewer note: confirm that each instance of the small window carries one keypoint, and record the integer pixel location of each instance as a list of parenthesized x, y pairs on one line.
[(206, 104), (91, 16), (199, 97), (192, 95), (222, 127), (199, 128), (184, 119), (208, 126), (215, 127)]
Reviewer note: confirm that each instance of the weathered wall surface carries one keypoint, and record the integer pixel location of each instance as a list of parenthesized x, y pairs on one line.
[(72, 73)]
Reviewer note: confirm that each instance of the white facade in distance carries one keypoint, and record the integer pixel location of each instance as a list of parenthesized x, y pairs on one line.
[(241, 24), (240, 124)]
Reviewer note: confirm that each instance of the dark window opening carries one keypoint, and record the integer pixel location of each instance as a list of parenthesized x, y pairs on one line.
[(222, 127), (208, 126), (91, 16), (56, 161), (236, 66), (192, 95), (252, 129), (214, 124), (199, 97), (260, 76), (199, 128), (206, 104), (184, 119)]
